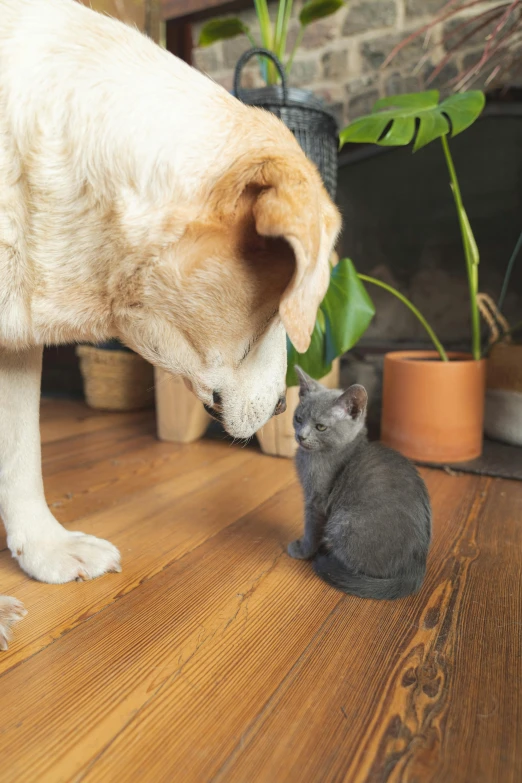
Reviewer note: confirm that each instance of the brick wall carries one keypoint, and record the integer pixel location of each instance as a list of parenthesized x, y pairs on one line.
[(341, 56)]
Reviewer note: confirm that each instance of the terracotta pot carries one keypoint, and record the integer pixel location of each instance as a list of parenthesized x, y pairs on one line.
[(433, 411)]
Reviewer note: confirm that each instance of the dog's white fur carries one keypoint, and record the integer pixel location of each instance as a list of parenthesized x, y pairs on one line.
[(139, 200)]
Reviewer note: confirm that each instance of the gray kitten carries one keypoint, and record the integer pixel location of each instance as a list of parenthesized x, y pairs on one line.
[(367, 510)]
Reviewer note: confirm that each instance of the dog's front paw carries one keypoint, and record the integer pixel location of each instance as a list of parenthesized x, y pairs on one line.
[(11, 610), (298, 550), (67, 557)]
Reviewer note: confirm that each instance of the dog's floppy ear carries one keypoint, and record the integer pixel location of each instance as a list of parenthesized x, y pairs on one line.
[(295, 206), (291, 203)]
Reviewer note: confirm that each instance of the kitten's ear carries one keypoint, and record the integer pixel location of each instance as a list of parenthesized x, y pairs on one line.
[(352, 402), (306, 384)]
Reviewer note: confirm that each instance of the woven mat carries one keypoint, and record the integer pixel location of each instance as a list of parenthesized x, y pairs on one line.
[(498, 460)]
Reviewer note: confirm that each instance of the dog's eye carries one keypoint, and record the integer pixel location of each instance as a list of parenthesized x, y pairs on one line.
[(298, 419), (320, 427)]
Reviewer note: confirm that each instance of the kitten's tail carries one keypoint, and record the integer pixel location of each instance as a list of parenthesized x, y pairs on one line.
[(334, 572)]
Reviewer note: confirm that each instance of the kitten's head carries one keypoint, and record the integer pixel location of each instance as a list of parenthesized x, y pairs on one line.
[(326, 418)]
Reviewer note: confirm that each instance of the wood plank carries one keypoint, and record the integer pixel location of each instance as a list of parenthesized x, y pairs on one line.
[(152, 530), (429, 699), (128, 652), (215, 657), (239, 677), (251, 545), (76, 418)]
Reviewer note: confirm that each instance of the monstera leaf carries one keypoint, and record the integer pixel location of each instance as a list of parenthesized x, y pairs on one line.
[(393, 121), (313, 361), (343, 317), (348, 310), (221, 29), (318, 9)]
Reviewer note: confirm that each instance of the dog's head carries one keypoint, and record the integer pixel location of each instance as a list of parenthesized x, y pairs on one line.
[(216, 294)]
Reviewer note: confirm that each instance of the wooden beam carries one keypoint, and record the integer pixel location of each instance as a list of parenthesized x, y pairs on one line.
[(174, 9), (178, 34)]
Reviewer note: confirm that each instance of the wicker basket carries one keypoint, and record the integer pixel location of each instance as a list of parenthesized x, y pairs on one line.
[(305, 115), (115, 380)]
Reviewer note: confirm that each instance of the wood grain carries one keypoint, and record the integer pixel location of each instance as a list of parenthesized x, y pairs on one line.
[(214, 657)]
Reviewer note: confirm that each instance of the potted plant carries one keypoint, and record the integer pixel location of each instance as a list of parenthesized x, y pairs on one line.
[(305, 115), (433, 401), (274, 35)]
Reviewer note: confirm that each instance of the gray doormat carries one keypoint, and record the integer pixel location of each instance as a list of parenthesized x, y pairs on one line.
[(498, 460)]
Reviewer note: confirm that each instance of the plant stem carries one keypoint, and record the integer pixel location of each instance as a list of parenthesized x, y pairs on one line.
[(435, 340), (508, 273), (284, 33), (296, 46), (470, 255), (279, 25), (284, 13), (265, 27)]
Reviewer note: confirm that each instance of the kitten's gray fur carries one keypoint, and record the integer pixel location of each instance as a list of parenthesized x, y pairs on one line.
[(367, 510)]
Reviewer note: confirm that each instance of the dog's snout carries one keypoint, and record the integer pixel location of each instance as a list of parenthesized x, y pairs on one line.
[(216, 399), (281, 406)]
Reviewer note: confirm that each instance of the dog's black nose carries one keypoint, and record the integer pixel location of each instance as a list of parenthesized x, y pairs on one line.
[(216, 399), (281, 406)]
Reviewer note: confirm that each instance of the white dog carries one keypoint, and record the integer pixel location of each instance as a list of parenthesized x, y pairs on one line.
[(139, 200)]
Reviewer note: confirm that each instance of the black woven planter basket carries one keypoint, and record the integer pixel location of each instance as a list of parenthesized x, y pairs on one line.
[(305, 115)]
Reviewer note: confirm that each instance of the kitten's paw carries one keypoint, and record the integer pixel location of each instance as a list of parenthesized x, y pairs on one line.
[(11, 610), (68, 557), (298, 550)]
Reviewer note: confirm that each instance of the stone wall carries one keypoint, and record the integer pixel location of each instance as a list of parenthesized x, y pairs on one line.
[(341, 56)]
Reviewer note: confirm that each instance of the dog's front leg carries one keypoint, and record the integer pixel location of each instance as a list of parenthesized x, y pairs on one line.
[(44, 549)]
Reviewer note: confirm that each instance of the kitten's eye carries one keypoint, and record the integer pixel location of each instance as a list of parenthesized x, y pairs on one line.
[(298, 419), (320, 427)]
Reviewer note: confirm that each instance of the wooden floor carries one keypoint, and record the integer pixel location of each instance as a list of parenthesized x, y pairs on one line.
[(214, 657)]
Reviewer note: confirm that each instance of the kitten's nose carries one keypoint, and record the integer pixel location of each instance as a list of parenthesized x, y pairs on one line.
[(301, 438), (281, 406)]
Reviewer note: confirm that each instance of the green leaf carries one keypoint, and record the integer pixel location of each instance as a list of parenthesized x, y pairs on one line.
[(313, 361), (348, 310), (221, 29), (343, 317), (317, 9), (398, 116), (411, 100)]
